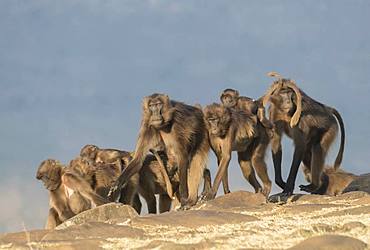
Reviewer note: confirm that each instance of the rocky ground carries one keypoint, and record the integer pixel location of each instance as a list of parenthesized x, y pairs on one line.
[(240, 220)]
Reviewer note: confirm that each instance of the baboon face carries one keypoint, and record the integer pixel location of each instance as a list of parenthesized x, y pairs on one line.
[(89, 152), (49, 172), (285, 99), (218, 119), (156, 108), (229, 98)]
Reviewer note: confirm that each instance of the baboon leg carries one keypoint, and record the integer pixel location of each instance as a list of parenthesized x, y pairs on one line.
[(225, 179), (150, 199), (137, 204), (53, 219), (196, 171), (207, 181), (183, 176), (276, 158), (258, 162), (164, 203), (297, 159), (317, 165), (307, 168), (248, 171), (225, 183), (78, 184)]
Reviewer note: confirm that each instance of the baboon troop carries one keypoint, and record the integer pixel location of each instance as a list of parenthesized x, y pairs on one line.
[(171, 154)]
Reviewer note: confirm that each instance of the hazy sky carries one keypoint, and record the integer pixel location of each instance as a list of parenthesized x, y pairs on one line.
[(74, 72)]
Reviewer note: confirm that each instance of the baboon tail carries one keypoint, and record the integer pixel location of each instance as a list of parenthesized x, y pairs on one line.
[(164, 173), (339, 158)]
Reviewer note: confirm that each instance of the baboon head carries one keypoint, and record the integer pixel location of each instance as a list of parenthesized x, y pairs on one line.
[(89, 152), (83, 168), (286, 97), (158, 110), (49, 172), (217, 118), (229, 98)]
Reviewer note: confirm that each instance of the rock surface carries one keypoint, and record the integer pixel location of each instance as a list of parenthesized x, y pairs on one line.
[(239, 220)]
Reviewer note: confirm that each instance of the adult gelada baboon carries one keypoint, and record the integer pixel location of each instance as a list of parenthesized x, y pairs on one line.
[(69, 192), (234, 130), (181, 129), (312, 126), (230, 98), (334, 180)]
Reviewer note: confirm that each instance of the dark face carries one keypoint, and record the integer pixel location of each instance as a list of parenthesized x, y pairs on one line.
[(213, 125), (229, 99), (49, 172), (217, 119), (155, 108), (285, 99)]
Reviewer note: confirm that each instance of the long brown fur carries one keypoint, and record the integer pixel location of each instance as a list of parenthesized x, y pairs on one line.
[(234, 130)]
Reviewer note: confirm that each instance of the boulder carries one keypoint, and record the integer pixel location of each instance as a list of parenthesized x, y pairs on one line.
[(327, 242), (110, 213)]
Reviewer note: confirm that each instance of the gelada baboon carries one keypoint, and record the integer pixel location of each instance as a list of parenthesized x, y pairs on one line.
[(311, 125), (334, 180), (121, 159), (98, 155), (233, 130), (153, 181), (69, 193), (157, 176), (230, 98), (181, 129)]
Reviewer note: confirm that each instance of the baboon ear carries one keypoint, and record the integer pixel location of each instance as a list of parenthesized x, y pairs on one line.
[(94, 148), (237, 93)]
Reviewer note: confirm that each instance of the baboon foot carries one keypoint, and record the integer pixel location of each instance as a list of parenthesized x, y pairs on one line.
[(206, 196), (310, 188), (280, 197), (266, 190)]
